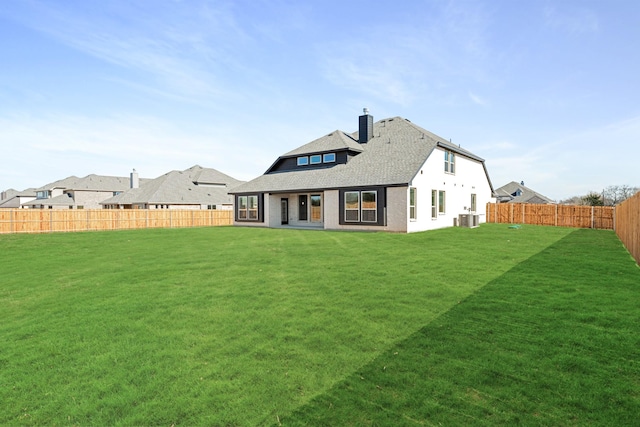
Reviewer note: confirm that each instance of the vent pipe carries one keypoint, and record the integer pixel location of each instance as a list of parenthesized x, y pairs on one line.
[(365, 129)]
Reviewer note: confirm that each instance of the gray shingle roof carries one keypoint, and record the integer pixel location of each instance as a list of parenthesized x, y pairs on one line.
[(177, 188), (392, 157), (507, 191), (61, 200), (209, 176), (336, 140)]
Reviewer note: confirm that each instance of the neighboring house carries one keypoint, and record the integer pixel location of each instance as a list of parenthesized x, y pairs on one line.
[(14, 199), (193, 188), (78, 193), (518, 193), (391, 175)]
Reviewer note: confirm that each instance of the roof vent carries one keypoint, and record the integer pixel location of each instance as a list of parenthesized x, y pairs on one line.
[(365, 129)]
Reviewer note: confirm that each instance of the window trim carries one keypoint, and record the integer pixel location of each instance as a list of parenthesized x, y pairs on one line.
[(413, 199), (434, 204), (449, 162), (327, 156), (248, 207), (442, 202), (355, 215), (356, 209), (364, 209)]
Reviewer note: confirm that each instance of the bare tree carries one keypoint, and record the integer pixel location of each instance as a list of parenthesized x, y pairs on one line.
[(575, 200), (615, 194)]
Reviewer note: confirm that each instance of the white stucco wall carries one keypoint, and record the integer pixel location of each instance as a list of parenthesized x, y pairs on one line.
[(469, 178)]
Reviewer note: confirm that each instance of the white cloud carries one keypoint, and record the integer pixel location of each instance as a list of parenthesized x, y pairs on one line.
[(478, 100)]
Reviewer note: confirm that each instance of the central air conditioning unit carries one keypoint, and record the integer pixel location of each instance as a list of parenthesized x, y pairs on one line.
[(469, 220)]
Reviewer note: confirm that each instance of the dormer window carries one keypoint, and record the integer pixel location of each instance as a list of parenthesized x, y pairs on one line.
[(329, 158), (303, 161), (316, 159)]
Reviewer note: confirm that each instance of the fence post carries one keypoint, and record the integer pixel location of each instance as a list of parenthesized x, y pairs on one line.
[(614, 217), (592, 218)]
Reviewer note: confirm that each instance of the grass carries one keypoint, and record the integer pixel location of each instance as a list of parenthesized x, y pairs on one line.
[(239, 326)]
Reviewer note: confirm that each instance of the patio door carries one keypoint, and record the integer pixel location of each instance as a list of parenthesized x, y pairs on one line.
[(284, 211), (316, 208)]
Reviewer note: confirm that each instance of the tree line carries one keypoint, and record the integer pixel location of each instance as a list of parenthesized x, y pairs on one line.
[(610, 196)]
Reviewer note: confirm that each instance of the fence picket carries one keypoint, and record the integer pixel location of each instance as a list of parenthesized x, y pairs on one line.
[(44, 221)]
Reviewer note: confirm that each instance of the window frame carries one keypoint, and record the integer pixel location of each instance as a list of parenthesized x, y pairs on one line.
[(315, 159), (326, 156), (368, 210), (434, 204), (413, 201), (302, 161), (362, 206), (449, 162), (442, 202), (352, 209), (248, 207)]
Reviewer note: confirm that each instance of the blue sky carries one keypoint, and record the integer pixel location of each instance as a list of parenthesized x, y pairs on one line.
[(546, 91)]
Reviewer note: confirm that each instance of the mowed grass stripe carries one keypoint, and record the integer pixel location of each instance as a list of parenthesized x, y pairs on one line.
[(554, 341), (220, 326)]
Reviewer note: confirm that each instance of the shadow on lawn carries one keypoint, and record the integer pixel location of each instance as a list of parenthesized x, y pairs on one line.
[(554, 341)]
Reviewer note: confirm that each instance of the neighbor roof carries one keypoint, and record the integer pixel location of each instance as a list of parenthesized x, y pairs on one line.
[(509, 191), (177, 188), (392, 157)]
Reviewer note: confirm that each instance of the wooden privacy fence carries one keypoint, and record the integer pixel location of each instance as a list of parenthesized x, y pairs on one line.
[(628, 225), (602, 217), (53, 220)]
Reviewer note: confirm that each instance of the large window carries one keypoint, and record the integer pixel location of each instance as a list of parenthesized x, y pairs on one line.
[(248, 208), (361, 206), (253, 207), (369, 206), (449, 161), (412, 203), (352, 206), (242, 207), (441, 201)]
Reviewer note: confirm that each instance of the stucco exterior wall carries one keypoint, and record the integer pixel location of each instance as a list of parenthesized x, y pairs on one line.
[(469, 178)]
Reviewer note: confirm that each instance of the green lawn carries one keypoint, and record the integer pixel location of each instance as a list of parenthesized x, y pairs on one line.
[(241, 326)]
